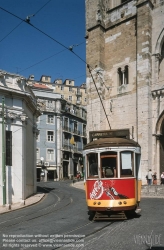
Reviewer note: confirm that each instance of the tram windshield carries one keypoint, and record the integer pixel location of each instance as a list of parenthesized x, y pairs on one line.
[(126, 163), (92, 163), (112, 164), (108, 164)]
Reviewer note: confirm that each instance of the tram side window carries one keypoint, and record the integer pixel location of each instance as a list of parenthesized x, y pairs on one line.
[(127, 163), (92, 165)]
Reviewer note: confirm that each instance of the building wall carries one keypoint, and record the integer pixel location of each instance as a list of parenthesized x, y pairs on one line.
[(20, 115), (131, 34)]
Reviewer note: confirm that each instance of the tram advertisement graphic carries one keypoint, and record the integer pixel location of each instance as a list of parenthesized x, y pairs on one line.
[(111, 189)]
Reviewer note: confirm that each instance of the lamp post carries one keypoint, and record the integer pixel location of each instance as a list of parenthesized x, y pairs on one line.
[(3, 154), (42, 164)]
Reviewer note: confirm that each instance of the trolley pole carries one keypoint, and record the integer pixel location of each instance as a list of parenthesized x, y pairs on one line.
[(3, 155)]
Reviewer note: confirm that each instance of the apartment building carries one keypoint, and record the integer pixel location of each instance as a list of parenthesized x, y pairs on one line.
[(76, 95), (62, 136)]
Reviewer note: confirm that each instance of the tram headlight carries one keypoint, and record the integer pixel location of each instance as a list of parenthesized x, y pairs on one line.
[(94, 203), (125, 202), (99, 203), (120, 203)]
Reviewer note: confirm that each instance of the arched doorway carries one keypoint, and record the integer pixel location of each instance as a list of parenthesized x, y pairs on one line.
[(161, 139)]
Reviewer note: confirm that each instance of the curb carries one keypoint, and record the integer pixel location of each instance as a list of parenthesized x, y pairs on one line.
[(19, 206)]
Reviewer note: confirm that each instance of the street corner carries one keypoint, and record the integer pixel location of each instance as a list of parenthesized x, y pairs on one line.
[(78, 184), (24, 203)]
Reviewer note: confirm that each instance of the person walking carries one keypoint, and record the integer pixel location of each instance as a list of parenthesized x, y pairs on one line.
[(162, 178), (149, 175), (155, 178)]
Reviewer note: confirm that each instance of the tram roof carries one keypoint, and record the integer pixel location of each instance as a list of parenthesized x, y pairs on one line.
[(111, 142)]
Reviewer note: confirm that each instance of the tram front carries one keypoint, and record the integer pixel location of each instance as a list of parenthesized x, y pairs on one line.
[(112, 175)]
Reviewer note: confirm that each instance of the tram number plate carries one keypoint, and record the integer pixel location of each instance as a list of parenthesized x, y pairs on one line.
[(108, 149)]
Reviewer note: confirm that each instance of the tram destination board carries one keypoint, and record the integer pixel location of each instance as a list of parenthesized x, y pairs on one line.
[(121, 133)]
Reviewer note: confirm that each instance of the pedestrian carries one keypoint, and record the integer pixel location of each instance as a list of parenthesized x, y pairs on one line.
[(162, 178), (78, 176), (155, 178), (149, 175), (147, 178)]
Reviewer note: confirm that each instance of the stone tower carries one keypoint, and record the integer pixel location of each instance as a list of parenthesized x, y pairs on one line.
[(125, 54)]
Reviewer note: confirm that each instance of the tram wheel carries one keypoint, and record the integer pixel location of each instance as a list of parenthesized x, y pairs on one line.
[(91, 215)]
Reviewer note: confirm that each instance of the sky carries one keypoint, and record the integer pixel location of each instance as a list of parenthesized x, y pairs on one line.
[(42, 47)]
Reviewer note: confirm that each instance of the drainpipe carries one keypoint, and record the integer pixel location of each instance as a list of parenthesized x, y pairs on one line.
[(3, 155)]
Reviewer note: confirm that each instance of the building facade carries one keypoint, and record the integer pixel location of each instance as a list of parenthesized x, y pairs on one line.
[(74, 94), (62, 136), (125, 54), (18, 131)]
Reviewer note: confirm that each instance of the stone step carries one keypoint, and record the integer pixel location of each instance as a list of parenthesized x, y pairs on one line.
[(152, 191)]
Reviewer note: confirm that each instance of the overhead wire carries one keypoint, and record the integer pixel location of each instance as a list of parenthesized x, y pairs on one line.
[(11, 31), (68, 48), (41, 61), (99, 95), (23, 21), (46, 59)]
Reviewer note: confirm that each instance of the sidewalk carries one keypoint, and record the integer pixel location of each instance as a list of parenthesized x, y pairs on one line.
[(78, 184), (28, 202)]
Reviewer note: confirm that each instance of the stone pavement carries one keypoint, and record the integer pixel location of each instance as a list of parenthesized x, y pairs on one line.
[(156, 191)]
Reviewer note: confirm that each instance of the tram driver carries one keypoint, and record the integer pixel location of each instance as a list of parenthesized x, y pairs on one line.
[(109, 171), (93, 168)]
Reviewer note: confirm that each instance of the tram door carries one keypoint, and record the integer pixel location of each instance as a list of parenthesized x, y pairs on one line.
[(108, 166)]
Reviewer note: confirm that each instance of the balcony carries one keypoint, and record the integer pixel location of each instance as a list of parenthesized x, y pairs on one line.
[(66, 129), (79, 94), (84, 134), (77, 132), (77, 113), (74, 148)]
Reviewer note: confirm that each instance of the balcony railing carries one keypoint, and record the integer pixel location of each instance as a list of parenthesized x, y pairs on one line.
[(84, 134), (77, 113), (77, 132), (66, 128), (70, 147), (78, 93)]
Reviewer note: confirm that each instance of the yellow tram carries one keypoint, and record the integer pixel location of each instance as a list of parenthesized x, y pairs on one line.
[(112, 176)]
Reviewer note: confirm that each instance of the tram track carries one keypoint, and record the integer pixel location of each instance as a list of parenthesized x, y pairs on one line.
[(39, 213)]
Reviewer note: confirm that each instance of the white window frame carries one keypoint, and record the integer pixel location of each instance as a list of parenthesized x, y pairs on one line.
[(51, 119), (52, 139), (52, 156), (50, 104), (70, 98)]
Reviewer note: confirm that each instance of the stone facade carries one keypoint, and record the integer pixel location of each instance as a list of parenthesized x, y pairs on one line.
[(18, 129), (125, 54)]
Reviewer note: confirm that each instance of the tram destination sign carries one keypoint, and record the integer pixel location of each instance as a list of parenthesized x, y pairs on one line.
[(120, 133)]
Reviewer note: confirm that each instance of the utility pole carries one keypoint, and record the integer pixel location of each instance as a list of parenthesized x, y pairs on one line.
[(3, 154)]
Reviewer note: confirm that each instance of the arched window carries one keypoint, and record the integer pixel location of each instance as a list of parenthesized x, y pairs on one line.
[(123, 76), (161, 66), (126, 75), (120, 77)]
